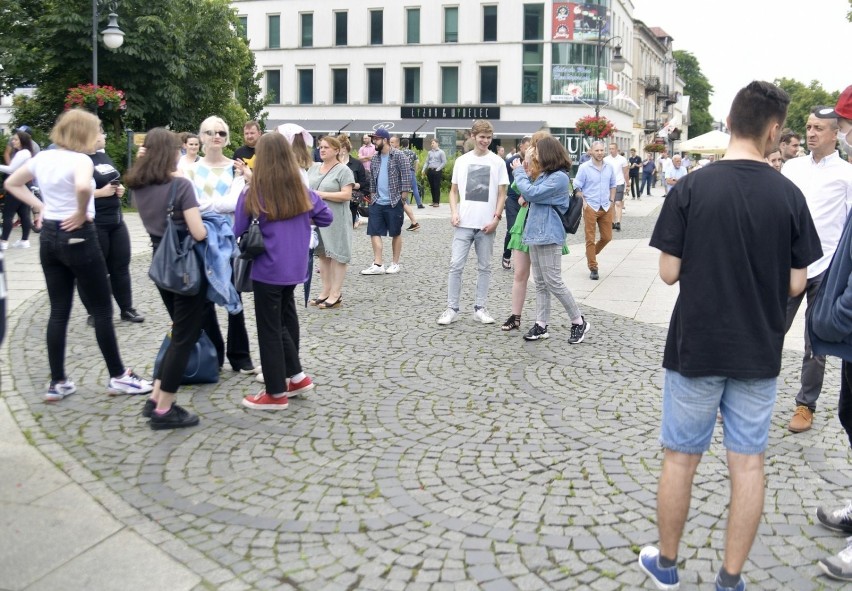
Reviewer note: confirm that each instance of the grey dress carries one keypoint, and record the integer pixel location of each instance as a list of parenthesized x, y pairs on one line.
[(335, 241)]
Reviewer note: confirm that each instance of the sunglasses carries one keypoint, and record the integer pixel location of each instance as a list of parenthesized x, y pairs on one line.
[(222, 134)]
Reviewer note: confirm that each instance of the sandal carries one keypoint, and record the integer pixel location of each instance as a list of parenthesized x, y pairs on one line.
[(326, 306), (317, 301), (512, 323)]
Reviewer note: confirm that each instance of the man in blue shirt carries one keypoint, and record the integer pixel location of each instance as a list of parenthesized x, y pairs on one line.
[(595, 183)]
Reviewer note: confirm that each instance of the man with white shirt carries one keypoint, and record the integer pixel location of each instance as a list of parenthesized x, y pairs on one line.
[(826, 180), (622, 177), (674, 172)]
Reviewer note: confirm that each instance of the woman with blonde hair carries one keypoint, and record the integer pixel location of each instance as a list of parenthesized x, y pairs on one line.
[(333, 182), (69, 248), (285, 210)]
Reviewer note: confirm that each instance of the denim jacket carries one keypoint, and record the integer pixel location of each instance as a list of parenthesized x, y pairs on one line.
[(216, 252), (543, 224)]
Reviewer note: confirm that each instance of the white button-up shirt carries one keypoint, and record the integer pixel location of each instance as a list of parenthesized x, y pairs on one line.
[(827, 186)]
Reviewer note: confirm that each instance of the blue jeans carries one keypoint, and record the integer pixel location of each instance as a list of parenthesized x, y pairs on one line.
[(647, 181), (690, 406), (66, 258), (483, 244), (415, 189)]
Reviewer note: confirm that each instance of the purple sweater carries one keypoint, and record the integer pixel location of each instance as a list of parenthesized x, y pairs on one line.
[(285, 261)]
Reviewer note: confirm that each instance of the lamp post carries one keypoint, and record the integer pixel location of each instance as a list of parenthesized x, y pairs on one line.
[(616, 63), (113, 36)]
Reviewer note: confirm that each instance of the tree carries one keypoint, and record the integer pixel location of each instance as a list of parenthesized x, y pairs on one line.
[(802, 100), (699, 89), (180, 61)]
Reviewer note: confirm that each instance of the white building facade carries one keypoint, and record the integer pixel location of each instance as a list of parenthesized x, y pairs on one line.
[(427, 68)]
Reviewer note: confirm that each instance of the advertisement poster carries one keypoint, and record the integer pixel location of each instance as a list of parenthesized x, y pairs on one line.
[(578, 22), (573, 83)]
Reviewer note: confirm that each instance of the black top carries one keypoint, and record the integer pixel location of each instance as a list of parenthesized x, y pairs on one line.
[(107, 209), (635, 164), (360, 173), (738, 227), (246, 154), (511, 193)]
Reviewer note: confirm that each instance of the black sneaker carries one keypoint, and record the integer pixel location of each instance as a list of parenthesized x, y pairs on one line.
[(177, 418), (131, 315), (148, 408), (536, 333), (593, 275), (578, 332)]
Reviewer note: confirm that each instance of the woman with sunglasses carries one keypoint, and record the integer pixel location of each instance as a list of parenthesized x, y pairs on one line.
[(212, 177)]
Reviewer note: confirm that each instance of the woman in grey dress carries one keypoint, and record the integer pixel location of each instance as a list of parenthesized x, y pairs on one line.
[(333, 182)]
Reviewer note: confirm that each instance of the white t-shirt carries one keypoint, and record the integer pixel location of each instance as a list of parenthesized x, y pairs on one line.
[(478, 179), (827, 186), (618, 163), (54, 170)]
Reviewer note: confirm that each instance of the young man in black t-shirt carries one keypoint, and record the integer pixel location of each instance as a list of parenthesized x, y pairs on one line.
[(245, 153), (635, 163), (738, 237)]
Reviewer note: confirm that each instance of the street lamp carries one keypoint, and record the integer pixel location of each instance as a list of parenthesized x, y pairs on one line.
[(616, 63), (113, 36)]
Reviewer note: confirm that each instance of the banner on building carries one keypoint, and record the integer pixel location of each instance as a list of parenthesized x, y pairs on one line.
[(575, 83), (578, 22)]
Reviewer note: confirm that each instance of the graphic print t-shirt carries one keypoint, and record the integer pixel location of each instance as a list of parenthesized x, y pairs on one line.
[(478, 179)]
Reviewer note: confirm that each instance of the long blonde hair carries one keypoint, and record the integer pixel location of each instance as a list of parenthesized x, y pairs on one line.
[(276, 187)]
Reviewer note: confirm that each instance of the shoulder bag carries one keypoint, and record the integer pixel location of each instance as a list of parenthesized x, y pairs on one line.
[(175, 266), (203, 364), (571, 218)]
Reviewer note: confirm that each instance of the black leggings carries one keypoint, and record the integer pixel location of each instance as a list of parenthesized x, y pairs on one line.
[(115, 246), (187, 314), (11, 206)]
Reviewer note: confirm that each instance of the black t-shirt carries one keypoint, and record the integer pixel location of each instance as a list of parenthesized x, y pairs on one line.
[(246, 154), (107, 209), (738, 227), (634, 170)]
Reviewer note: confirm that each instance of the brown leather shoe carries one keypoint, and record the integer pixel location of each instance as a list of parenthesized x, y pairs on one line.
[(802, 419)]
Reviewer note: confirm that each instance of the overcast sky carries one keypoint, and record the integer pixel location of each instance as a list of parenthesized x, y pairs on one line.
[(744, 40)]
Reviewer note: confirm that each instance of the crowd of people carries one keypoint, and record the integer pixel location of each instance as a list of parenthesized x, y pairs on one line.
[(787, 235)]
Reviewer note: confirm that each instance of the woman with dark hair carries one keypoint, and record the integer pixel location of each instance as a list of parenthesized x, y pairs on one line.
[(545, 235), (191, 146), (285, 210), (155, 184), (362, 183), (69, 249), (23, 146)]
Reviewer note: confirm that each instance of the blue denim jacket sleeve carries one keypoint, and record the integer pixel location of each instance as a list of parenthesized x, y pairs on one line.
[(543, 225)]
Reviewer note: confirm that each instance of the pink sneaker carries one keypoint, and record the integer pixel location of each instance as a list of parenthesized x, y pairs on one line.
[(264, 401), (296, 388)]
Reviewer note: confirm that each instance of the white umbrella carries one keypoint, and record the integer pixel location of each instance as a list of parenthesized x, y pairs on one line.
[(712, 142)]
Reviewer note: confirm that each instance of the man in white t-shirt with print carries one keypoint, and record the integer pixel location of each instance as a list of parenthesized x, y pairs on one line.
[(622, 172), (477, 197)]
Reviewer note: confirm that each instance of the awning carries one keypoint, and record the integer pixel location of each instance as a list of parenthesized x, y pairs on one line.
[(313, 125), (432, 124), (394, 126), (517, 128)]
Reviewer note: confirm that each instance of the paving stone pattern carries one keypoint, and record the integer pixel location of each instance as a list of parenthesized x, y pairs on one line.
[(428, 457)]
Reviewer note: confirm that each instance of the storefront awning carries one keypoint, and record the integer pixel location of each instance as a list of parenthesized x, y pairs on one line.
[(314, 126), (517, 128), (394, 126)]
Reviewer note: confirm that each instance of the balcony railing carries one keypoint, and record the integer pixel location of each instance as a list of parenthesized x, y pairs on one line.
[(652, 84)]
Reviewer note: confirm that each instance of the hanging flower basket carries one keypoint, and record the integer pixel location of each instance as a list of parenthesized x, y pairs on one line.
[(654, 148), (89, 96), (596, 127)]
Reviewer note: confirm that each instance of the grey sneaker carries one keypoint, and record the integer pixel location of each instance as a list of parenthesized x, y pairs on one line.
[(838, 519), (840, 566), (56, 391)]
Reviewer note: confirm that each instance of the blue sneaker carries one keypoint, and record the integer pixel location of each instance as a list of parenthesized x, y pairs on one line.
[(740, 586), (664, 578)]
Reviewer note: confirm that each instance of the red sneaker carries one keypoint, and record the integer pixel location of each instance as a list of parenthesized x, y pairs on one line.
[(264, 401), (296, 388)]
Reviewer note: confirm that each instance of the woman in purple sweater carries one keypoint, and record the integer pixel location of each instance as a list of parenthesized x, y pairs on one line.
[(285, 210)]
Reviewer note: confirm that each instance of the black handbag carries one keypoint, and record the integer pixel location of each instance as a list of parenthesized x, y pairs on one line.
[(242, 274), (251, 242), (203, 364), (175, 266), (571, 218)]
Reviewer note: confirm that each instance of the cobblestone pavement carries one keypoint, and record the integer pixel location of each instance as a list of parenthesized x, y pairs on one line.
[(428, 457)]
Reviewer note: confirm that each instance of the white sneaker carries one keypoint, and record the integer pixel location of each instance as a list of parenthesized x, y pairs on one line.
[(129, 383), (483, 316), (21, 244), (4, 245), (448, 316), (259, 378), (374, 269), (59, 390), (392, 268)]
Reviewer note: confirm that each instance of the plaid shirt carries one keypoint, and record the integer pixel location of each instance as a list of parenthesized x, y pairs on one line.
[(399, 175)]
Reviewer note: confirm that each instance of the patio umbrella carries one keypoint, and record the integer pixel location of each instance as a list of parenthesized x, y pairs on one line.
[(712, 142)]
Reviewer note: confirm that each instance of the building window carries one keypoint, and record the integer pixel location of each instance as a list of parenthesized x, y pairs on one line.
[(450, 85), (307, 29), (375, 86), (273, 86), (306, 87), (243, 26), (341, 24), (377, 21), (274, 22), (487, 84), (532, 76), (489, 23), (451, 24), (412, 85), (412, 25), (533, 22), (339, 86)]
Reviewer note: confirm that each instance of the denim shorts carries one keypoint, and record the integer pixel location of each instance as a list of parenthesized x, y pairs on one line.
[(690, 406), (385, 220)]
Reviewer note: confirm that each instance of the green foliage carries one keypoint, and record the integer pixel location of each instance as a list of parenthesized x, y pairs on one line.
[(116, 148), (802, 100), (699, 89)]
